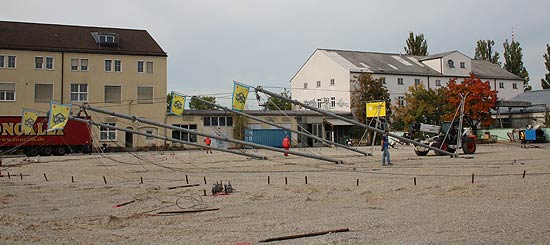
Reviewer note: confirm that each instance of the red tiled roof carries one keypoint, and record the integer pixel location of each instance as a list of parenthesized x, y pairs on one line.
[(78, 39)]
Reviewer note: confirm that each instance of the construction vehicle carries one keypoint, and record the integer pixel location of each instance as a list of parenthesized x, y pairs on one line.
[(75, 137), (447, 138)]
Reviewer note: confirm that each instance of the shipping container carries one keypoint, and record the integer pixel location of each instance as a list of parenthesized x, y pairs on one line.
[(268, 137)]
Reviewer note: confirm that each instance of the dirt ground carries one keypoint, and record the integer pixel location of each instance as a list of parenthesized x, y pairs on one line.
[(385, 208)]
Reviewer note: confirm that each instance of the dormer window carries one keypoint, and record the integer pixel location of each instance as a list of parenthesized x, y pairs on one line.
[(451, 63), (106, 39)]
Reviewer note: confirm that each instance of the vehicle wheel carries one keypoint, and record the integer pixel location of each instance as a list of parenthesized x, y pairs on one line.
[(46, 151), (421, 153), (469, 146), (31, 151), (59, 151)]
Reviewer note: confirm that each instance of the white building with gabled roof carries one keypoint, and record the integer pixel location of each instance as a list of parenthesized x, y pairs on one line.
[(324, 80)]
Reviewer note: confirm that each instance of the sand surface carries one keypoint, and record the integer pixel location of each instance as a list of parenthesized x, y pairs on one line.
[(386, 208)]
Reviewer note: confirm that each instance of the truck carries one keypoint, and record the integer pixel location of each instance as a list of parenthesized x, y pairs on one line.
[(446, 138), (75, 137)]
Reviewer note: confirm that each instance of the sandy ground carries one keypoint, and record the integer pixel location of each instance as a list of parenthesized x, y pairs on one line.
[(386, 207)]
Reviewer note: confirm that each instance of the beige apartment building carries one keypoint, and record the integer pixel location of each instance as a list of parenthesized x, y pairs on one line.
[(122, 70)]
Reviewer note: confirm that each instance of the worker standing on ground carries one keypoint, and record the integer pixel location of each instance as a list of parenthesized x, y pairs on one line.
[(207, 142), (286, 144), (385, 150)]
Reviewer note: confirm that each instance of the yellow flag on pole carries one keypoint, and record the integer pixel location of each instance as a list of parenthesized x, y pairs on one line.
[(376, 109), (240, 93), (27, 122), (59, 116), (177, 104)]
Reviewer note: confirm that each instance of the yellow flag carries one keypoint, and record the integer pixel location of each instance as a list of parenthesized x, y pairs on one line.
[(376, 109), (28, 120), (240, 93), (59, 116), (177, 104)]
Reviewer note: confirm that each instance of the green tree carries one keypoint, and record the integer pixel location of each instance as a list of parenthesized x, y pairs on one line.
[(239, 125), (513, 62), (484, 51), (274, 103), (416, 45), (545, 82), (422, 106), (168, 101), (366, 88), (198, 105)]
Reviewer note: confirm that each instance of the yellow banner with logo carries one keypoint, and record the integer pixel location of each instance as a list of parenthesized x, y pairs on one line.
[(59, 116), (376, 109), (27, 122), (240, 94), (177, 104)]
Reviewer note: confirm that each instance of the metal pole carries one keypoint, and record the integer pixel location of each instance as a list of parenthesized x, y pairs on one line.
[(276, 125), (414, 142), (165, 138), (134, 118)]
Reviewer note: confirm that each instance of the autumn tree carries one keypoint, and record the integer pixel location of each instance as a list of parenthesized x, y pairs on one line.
[(484, 51), (479, 100), (416, 45), (274, 103), (422, 106), (513, 62), (365, 89), (199, 105), (545, 82)]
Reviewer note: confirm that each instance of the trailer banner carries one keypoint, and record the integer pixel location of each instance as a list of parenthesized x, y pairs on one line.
[(240, 94), (27, 122), (177, 104), (59, 116)]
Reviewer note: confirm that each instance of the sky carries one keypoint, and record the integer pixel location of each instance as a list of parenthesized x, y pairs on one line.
[(264, 42)]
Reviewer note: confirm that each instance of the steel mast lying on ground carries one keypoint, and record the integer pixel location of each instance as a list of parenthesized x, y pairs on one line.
[(276, 125), (134, 118), (414, 142)]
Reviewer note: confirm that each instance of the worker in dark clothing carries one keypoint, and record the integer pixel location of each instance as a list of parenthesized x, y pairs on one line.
[(385, 150)]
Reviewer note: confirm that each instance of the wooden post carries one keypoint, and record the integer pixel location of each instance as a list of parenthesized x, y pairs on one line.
[(204, 180), (414, 180), (306, 179), (72, 179), (268, 180), (524, 173), (141, 179), (286, 181), (186, 179), (9, 176), (472, 178), (104, 180), (21, 174), (204, 192), (45, 177), (357, 182)]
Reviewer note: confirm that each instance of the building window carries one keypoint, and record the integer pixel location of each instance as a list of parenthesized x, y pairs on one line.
[(2, 60), (38, 63), (400, 81), (214, 121), (183, 135), (451, 63), (438, 83), (43, 92), (7, 91), (83, 64), (145, 95), (49, 63), (305, 85), (383, 80), (113, 94), (417, 81), (107, 134), (149, 134), (501, 85), (140, 66), (514, 85), (332, 82), (79, 92), (319, 103), (108, 65), (11, 61), (106, 39), (150, 67), (74, 64), (229, 121), (118, 66), (462, 64), (400, 101), (332, 102), (318, 84)]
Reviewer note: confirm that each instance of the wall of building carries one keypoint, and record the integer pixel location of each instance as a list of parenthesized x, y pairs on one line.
[(457, 71), (322, 68)]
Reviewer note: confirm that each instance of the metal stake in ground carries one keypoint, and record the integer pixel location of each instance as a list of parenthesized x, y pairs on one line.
[(45, 177), (414, 180), (472, 178), (104, 180), (524, 171)]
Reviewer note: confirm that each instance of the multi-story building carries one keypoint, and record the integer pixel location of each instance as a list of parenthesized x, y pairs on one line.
[(122, 70), (325, 79)]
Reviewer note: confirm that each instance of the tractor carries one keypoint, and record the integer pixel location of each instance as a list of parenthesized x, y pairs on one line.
[(446, 138)]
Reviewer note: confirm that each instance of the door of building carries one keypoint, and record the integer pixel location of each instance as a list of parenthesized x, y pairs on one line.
[(129, 139)]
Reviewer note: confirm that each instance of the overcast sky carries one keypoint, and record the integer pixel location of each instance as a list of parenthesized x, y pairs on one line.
[(264, 42)]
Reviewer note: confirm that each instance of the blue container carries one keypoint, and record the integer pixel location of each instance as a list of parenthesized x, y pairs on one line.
[(530, 134), (267, 137)]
